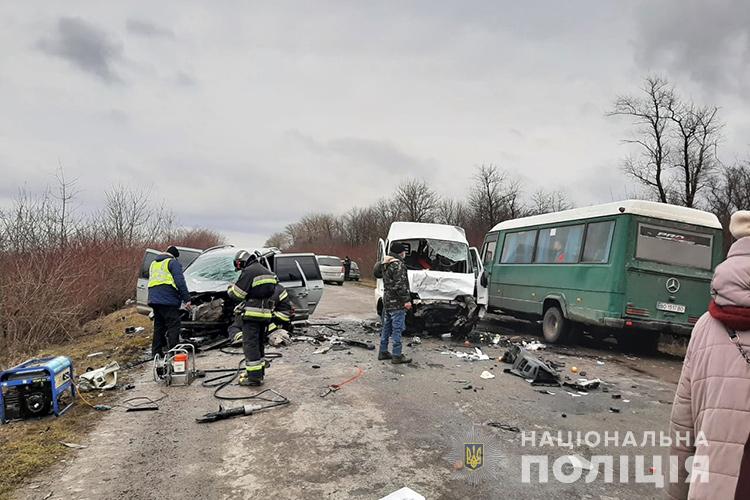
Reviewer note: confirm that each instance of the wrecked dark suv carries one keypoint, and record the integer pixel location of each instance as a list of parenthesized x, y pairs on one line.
[(209, 273), (444, 275)]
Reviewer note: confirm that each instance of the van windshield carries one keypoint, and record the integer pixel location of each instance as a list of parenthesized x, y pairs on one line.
[(437, 255), (674, 246)]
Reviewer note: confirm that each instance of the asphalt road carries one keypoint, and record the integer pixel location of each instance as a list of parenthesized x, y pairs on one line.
[(394, 426)]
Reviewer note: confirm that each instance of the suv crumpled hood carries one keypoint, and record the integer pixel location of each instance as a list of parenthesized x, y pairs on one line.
[(436, 285)]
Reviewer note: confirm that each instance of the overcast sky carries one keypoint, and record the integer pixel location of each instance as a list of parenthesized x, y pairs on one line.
[(243, 116)]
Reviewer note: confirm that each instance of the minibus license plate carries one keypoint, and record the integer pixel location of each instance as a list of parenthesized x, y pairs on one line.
[(666, 306)]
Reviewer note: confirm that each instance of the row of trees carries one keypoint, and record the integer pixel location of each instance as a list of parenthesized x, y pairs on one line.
[(60, 266), (494, 196), (674, 159)]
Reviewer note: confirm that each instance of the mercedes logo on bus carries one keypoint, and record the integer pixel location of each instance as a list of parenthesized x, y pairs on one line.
[(673, 285)]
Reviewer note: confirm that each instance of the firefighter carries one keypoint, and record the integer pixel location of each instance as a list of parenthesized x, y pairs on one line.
[(283, 312), (254, 289)]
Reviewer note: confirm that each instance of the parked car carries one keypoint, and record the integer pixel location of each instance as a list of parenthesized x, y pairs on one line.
[(209, 275), (332, 269), (443, 275), (354, 274)]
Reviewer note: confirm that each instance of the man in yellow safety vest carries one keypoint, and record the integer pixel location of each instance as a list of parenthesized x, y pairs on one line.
[(167, 291)]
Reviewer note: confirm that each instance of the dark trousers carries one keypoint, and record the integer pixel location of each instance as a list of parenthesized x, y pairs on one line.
[(253, 338), (166, 328)]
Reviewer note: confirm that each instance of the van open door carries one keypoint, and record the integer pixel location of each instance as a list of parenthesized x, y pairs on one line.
[(482, 295), (300, 274), (379, 281)]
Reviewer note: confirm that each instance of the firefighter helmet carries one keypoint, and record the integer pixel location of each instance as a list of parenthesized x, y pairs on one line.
[(241, 259)]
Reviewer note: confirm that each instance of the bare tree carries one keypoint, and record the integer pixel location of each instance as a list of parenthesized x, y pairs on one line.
[(677, 139), (543, 202), (129, 217), (493, 197), (728, 192), (66, 192), (416, 201), (697, 135), (650, 114), (282, 241), (453, 212)]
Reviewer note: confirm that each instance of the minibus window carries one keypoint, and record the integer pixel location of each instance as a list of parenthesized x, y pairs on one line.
[(674, 246), (518, 248), (598, 242), (488, 250), (559, 245)]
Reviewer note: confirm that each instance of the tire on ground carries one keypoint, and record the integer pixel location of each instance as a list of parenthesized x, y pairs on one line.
[(555, 327)]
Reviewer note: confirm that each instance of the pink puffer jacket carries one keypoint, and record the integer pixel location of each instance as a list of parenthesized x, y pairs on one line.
[(713, 395)]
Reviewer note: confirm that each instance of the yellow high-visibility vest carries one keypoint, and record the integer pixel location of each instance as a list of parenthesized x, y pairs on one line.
[(158, 274)]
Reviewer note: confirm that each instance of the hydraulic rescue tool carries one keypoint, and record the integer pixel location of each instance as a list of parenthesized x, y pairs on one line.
[(177, 367), (249, 409)]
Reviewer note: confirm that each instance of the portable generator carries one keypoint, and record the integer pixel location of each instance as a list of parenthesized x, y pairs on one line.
[(177, 367), (36, 388)]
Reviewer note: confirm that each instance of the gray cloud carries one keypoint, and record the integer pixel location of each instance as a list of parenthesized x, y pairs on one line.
[(86, 47), (709, 42), (147, 29)]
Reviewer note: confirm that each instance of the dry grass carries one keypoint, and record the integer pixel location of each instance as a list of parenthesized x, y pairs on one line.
[(31, 446)]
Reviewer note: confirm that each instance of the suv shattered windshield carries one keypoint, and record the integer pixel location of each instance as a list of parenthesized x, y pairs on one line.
[(437, 255), (213, 267)]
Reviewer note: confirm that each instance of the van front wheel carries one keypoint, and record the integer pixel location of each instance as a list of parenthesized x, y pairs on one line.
[(554, 326)]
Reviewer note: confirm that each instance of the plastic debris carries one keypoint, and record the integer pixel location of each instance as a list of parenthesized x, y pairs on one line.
[(505, 427), (94, 354), (535, 371), (73, 445), (612, 409), (600, 363), (404, 494), (574, 394), (486, 375), (279, 337), (534, 345), (416, 340), (100, 379), (133, 330), (583, 384), (477, 355)]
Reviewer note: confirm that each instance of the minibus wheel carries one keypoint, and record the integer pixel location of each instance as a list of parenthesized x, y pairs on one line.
[(554, 325)]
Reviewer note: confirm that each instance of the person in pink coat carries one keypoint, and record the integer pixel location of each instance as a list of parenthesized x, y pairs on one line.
[(712, 402)]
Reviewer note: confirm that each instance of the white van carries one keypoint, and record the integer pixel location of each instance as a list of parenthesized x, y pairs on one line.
[(445, 277)]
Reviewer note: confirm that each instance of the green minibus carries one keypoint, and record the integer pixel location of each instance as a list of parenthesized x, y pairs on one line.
[(632, 269)]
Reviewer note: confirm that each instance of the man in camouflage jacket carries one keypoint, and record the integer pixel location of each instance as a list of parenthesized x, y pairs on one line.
[(396, 301)]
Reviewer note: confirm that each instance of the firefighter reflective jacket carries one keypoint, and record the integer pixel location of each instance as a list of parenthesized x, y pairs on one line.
[(255, 288)]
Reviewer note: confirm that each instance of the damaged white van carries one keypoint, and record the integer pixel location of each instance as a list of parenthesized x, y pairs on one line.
[(445, 278)]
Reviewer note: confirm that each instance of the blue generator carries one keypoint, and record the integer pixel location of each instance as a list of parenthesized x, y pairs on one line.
[(36, 388)]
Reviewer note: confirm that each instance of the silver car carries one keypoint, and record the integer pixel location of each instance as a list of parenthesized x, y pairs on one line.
[(211, 272), (332, 269)]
